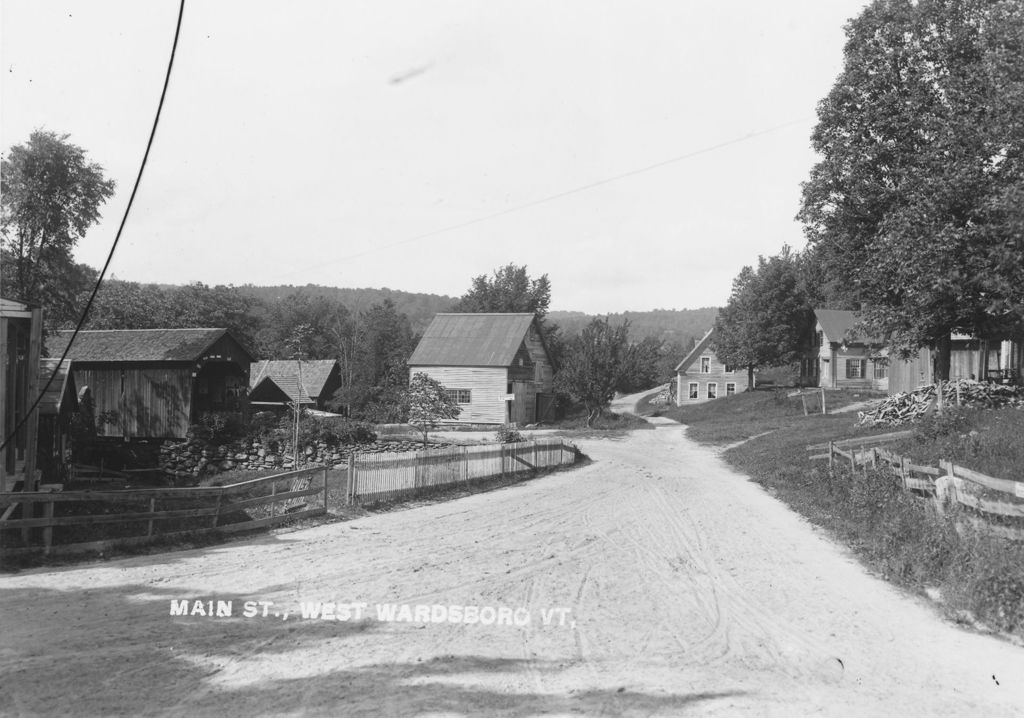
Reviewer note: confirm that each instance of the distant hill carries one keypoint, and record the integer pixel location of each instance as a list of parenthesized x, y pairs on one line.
[(420, 308), (670, 325)]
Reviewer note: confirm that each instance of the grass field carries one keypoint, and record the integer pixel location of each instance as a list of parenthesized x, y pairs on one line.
[(898, 535)]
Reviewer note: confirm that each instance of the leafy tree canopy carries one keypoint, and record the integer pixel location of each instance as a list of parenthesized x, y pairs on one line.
[(50, 195), (510, 290), (916, 203), (595, 366)]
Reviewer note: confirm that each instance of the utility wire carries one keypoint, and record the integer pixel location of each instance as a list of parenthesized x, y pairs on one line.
[(559, 195), (117, 237)]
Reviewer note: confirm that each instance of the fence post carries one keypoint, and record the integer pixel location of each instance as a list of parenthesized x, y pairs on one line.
[(831, 455), (823, 401), (48, 531), (325, 488), (864, 460), (350, 488), (273, 500), (216, 514), (152, 509), (903, 470), (853, 461), (465, 464)]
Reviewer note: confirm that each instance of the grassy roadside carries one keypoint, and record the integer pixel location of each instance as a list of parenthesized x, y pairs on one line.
[(896, 534)]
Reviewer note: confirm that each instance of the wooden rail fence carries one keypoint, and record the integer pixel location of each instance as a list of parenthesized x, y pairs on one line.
[(236, 507), (389, 476), (947, 484)]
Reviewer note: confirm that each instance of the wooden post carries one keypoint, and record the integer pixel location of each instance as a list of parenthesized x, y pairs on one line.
[(35, 341), (350, 480), (152, 509), (958, 393), (216, 514), (864, 460), (803, 401), (325, 487), (822, 401), (273, 494), (903, 470), (48, 531), (831, 455), (853, 462), (938, 395)]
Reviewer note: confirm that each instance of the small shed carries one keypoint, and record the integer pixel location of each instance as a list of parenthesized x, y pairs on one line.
[(155, 383), (700, 376), (279, 382), (496, 366)]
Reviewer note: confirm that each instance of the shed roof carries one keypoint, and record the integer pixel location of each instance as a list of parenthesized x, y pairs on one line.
[(124, 345), (472, 340), (838, 326), (53, 397), (285, 374)]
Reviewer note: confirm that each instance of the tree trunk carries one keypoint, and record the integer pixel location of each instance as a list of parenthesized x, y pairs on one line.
[(941, 359), (750, 377)]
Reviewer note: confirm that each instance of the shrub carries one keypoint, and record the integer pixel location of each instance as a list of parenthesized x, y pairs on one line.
[(219, 427), (508, 435)]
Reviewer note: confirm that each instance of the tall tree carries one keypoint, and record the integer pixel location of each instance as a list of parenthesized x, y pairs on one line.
[(922, 143), (50, 195), (327, 321), (428, 403), (510, 290), (766, 317), (595, 365)]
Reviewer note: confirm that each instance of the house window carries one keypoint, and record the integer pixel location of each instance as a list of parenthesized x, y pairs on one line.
[(705, 365), (881, 369), (459, 396), (821, 339), (855, 368), (694, 390), (730, 388), (712, 390), (730, 369)]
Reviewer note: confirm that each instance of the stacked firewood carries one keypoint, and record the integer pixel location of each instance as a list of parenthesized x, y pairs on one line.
[(908, 406)]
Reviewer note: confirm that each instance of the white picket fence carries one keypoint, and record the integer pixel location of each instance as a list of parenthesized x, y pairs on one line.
[(389, 476)]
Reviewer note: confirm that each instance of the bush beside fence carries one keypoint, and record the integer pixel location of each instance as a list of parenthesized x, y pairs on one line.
[(384, 477), (987, 497)]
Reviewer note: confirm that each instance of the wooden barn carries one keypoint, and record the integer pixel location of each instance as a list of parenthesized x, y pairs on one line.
[(280, 382), (840, 358), (21, 327), (496, 366), (700, 376), (154, 383), (998, 360)]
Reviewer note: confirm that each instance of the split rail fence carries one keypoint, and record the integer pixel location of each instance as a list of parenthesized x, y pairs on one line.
[(987, 497), (141, 515), (375, 478)]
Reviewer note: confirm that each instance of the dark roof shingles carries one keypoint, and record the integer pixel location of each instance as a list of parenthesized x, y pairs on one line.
[(472, 340)]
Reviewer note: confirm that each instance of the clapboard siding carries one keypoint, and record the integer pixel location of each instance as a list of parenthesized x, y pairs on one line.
[(543, 371), (488, 387), (149, 401)]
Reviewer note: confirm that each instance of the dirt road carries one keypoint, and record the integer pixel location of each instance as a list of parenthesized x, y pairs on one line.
[(671, 586)]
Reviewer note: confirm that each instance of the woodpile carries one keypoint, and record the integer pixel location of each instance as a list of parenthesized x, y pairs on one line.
[(909, 406)]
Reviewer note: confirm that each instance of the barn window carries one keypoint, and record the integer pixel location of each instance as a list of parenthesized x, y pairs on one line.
[(855, 368), (881, 369), (730, 388), (694, 390), (705, 365), (459, 396), (712, 390)]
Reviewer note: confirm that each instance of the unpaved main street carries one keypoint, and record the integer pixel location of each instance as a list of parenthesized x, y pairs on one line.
[(690, 591)]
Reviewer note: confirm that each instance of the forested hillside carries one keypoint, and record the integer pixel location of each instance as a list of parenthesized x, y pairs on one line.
[(666, 324)]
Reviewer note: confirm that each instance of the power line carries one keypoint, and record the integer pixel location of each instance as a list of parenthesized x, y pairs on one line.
[(559, 195), (117, 237)]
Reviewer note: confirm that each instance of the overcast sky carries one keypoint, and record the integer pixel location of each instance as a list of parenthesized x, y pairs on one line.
[(416, 144)]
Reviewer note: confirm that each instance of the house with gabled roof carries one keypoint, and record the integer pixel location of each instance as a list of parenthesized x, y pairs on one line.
[(279, 382), (495, 366), (843, 357), (700, 376), (155, 383)]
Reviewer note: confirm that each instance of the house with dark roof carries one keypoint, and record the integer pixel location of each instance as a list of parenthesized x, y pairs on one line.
[(700, 376), (840, 356), (495, 366), (280, 382), (155, 383)]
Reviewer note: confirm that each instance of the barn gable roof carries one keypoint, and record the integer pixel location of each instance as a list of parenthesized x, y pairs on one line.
[(698, 349), (130, 345), (284, 373), (838, 326), (472, 340)]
